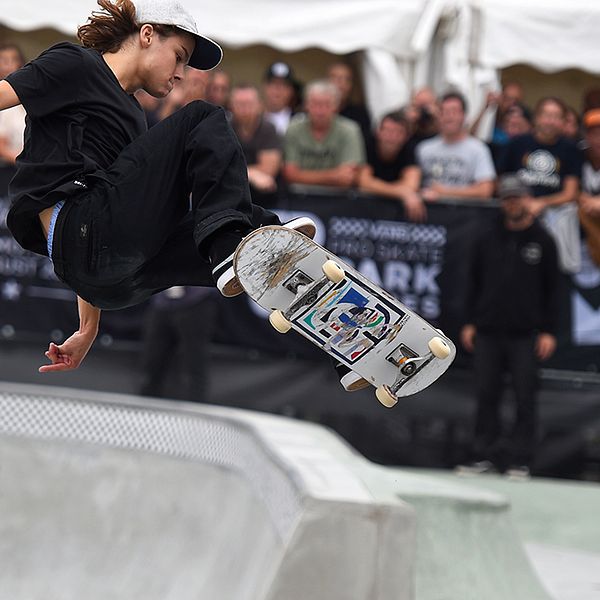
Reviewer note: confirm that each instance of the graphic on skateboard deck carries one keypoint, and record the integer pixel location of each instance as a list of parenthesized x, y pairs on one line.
[(312, 291)]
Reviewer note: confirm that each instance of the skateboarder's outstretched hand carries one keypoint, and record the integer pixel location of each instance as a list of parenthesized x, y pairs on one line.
[(68, 355), (73, 350)]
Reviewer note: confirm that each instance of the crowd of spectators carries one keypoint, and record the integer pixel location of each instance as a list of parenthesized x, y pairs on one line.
[(421, 153)]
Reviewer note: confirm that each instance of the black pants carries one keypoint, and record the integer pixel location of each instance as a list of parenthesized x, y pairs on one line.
[(494, 356), (143, 224)]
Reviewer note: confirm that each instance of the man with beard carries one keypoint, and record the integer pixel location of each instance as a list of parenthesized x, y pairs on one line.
[(510, 325)]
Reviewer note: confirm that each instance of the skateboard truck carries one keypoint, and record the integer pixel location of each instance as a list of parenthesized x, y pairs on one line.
[(306, 289), (409, 363)]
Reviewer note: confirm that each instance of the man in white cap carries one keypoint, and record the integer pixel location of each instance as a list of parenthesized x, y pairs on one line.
[(109, 200)]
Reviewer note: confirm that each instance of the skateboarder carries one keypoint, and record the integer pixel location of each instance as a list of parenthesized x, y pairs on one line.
[(124, 212)]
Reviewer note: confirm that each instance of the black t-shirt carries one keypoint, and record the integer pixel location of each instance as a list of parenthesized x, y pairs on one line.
[(265, 138), (542, 167), (390, 171), (79, 119)]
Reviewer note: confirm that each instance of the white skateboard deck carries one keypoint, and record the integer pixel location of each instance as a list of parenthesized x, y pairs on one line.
[(354, 320)]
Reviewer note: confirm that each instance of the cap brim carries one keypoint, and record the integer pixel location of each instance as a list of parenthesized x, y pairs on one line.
[(206, 55)]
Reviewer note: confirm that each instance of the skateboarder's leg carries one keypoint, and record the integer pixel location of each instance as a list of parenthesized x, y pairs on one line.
[(140, 200), (192, 157), (226, 243), (203, 159)]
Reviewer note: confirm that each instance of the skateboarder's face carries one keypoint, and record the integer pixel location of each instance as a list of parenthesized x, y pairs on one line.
[(163, 60)]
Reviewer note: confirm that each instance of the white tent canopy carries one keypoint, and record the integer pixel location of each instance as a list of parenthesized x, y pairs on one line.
[(462, 43), (550, 35), (339, 26)]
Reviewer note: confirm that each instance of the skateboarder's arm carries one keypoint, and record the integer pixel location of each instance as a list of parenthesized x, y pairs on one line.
[(8, 96), (72, 351)]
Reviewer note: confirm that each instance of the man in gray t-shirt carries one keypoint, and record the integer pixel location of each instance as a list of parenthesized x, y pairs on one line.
[(455, 164), (322, 148)]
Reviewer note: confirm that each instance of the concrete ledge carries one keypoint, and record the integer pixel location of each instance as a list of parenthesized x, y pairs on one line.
[(119, 497), (113, 496)]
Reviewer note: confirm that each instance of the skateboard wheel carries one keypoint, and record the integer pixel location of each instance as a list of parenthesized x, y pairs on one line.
[(385, 396), (279, 322), (333, 271), (439, 348)]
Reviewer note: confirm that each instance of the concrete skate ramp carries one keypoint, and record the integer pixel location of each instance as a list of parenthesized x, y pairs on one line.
[(110, 497), (114, 497)]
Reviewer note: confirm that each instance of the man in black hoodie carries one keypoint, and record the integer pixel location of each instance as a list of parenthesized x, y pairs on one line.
[(511, 322)]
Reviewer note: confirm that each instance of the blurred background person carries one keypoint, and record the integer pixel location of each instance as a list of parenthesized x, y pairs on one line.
[(322, 148), (516, 121), (12, 120), (572, 126), (511, 321), (501, 102), (454, 163), (550, 165), (590, 100), (342, 76), (260, 142), (391, 168), (281, 95), (178, 328), (589, 198), (423, 113), (218, 87), (193, 86)]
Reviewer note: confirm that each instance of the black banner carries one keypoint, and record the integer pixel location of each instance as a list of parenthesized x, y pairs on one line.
[(422, 264)]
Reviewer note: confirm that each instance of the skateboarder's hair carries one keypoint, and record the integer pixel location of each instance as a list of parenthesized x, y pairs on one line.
[(107, 29)]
